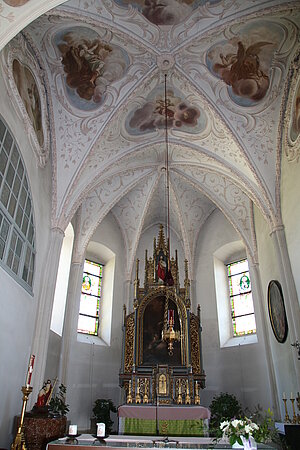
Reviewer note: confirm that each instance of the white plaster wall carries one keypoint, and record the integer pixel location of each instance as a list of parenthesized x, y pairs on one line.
[(239, 370), (94, 369), (269, 270), (18, 308)]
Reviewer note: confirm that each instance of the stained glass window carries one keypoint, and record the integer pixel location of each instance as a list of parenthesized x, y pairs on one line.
[(17, 233), (242, 310), (88, 322)]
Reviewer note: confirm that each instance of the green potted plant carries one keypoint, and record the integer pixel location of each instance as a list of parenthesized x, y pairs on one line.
[(57, 405), (223, 407), (101, 410)]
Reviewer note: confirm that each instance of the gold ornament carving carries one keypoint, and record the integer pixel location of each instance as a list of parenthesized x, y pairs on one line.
[(129, 341), (195, 344)]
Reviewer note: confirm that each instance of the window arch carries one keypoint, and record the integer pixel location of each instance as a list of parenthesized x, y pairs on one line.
[(229, 334), (88, 322), (240, 293), (106, 258), (17, 233)]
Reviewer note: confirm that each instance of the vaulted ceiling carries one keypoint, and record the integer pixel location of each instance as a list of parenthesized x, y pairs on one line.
[(100, 68)]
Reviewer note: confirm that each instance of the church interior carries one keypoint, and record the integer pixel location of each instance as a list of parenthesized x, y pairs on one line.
[(149, 204)]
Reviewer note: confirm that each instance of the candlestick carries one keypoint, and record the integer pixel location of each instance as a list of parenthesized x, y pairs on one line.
[(294, 413), (19, 442), (286, 419)]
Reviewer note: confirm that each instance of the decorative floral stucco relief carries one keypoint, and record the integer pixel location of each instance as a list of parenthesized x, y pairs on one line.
[(194, 208), (130, 212), (97, 203), (229, 198)]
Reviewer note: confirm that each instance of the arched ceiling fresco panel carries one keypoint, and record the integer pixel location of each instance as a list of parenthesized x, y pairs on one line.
[(105, 62), (254, 54), (210, 133), (76, 125), (167, 12)]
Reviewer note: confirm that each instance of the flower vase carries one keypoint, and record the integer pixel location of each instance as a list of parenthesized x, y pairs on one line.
[(237, 445), (248, 444)]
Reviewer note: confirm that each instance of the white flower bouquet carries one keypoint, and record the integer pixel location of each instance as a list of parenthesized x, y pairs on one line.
[(239, 430)]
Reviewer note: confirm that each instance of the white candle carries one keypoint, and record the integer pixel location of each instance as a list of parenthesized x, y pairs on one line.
[(284, 396), (100, 429), (72, 430), (292, 395)]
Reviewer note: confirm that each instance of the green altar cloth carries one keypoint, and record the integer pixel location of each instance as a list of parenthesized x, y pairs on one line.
[(188, 427)]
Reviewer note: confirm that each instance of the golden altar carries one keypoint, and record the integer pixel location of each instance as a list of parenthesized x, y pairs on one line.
[(162, 358)]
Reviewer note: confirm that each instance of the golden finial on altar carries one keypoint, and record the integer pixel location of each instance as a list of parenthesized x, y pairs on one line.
[(138, 398), (187, 395), (145, 397), (129, 396), (197, 396), (179, 398)]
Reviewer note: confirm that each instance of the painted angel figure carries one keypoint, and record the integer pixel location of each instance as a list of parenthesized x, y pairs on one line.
[(242, 71)]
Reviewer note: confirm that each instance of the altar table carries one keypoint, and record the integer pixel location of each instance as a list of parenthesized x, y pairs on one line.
[(86, 442), (186, 420)]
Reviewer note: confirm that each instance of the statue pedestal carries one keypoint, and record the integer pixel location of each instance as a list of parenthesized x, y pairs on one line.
[(39, 431)]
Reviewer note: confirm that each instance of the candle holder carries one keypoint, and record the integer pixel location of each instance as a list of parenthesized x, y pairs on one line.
[(187, 395), (197, 396), (286, 419), (19, 442), (129, 396), (294, 413), (145, 397)]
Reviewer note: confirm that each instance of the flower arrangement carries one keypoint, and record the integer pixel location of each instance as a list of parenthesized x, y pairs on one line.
[(239, 430)]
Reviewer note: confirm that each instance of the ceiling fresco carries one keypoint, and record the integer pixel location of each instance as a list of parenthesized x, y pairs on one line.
[(228, 73), (180, 114), (244, 61), (166, 12), (90, 65)]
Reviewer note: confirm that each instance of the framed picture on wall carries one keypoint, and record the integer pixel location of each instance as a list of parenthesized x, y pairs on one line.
[(277, 311)]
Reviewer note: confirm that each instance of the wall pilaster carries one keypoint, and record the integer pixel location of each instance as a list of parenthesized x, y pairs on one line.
[(45, 300)]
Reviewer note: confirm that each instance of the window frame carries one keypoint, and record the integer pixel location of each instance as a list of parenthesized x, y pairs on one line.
[(232, 296), (13, 164), (99, 299)]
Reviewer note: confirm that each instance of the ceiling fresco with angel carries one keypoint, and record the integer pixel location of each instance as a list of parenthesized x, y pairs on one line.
[(90, 64), (151, 115), (30, 96), (243, 62), (166, 12)]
